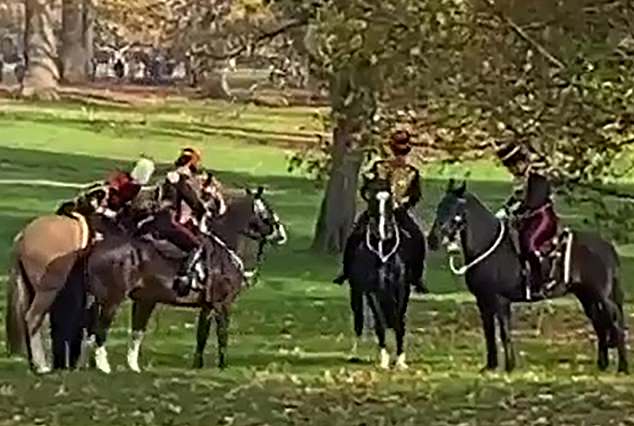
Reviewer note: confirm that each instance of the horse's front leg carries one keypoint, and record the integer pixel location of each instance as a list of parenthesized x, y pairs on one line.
[(222, 334), (202, 334), (141, 313), (379, 327), (103, 326), (487, 314), (400, 327), (356, 304), (504, 319)]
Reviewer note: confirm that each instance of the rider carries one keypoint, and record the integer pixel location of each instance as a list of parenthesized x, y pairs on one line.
[(113, 195), (405, 185), (123, 187), (181, 211), (531, 208)]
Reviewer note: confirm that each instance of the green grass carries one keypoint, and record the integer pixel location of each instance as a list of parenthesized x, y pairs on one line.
[(291, 333)]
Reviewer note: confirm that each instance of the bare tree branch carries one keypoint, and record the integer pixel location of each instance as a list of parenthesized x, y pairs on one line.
[(261, 38), (524, 35)]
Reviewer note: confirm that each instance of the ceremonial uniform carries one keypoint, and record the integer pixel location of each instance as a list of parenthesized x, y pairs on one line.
[(404, 182), (181, 210), (532, 211)]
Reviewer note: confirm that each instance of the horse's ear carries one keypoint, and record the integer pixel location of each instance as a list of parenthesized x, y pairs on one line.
[(450, 185), (461, 189), (260, 191)]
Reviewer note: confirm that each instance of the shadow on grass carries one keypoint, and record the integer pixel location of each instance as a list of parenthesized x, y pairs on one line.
[(171, 129)]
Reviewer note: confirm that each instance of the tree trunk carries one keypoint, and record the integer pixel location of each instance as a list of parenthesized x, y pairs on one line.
[(88, 35), (42, 74), (338, 207), (73, 54)]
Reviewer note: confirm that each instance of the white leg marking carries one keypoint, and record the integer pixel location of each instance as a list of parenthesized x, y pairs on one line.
[(101, 359), (133, 351), (400, 362), (384, 359), (40, 364)]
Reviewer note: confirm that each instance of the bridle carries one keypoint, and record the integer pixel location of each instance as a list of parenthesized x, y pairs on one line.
[(383, 197), (449, 240)]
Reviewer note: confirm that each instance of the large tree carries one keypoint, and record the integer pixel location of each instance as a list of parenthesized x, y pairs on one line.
[(77, 39), (42, 74), (552, 76)]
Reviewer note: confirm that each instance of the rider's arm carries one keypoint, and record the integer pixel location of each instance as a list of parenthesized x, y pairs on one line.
[(414, 193), (190, 197)]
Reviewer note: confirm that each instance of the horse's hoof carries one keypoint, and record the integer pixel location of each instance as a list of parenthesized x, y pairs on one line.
[(400, 363), (488, 369), (354, 359), (134, 366), (623, 370), (42, 370), (198, 363), (384, 360)]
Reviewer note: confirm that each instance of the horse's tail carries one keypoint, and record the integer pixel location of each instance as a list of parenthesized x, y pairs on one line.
[(17, 305), (617, 295)]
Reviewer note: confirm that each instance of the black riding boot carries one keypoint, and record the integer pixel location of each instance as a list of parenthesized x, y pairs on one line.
[(416, 261), (348, 253), (185, 279), (536, 278)]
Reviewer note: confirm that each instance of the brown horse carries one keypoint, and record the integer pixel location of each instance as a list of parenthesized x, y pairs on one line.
[(43, 256), (144, 269)]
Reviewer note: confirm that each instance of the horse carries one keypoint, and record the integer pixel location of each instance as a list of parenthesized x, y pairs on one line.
[(139, 267), (494, 274), (378, 274), (43, 255)]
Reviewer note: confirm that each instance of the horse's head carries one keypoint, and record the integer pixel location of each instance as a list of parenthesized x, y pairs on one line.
[(378, 195), (450, 216), (264, 224)]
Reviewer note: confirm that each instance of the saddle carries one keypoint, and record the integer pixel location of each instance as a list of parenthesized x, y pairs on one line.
[(553, 260), (165, 248)]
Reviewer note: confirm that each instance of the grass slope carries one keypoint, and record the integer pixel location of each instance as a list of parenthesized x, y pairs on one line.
[(290, 334)]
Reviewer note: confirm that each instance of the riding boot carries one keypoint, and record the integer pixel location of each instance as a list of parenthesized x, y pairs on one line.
[(536, 278), (348, 253), (416, 261), (185, 279)]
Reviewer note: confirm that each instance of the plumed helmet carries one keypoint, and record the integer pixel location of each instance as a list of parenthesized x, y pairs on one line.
[(143, 171), (193, 153)]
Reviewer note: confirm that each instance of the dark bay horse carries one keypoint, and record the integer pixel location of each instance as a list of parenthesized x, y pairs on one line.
[(493, 274), (136, 266), (378, 273)]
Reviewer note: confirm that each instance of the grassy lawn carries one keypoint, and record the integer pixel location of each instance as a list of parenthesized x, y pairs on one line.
[(291, 333)]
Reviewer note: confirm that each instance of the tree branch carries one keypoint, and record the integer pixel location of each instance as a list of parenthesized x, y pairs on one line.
[(262, 37), (526, 37)]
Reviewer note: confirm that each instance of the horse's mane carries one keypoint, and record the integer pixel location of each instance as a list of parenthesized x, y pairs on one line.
[(239, 210)]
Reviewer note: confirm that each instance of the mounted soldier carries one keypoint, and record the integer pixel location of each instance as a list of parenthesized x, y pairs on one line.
[(405, 187), (111, 198), (180, 214), (531, 211)]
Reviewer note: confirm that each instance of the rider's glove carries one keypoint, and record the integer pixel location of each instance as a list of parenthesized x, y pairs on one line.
[(502, 213)]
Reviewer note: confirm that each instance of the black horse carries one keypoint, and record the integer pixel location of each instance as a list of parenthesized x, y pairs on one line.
[(493, 273), (378, 273)]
